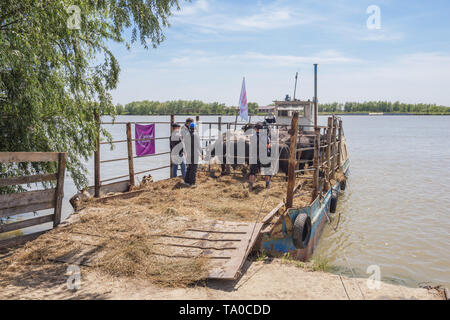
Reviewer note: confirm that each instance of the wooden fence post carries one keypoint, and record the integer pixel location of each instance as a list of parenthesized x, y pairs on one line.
[(130, 154), (316, 163), (209, 145), (292, 161), (333, 136), (339, 144), (97, 157), (329, 129), (62, 157), (172, 121)]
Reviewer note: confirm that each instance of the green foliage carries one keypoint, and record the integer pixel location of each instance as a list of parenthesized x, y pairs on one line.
[(321, 264), (179, 107), (53, 78), (261, 256), (383, 106)]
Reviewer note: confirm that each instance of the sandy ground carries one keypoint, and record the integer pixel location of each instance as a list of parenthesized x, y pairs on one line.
[(261, 280)]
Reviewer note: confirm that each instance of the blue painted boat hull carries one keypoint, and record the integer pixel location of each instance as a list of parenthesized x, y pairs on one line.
[(317, 212)]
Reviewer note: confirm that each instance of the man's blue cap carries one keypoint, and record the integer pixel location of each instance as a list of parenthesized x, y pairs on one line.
[(192, 125)]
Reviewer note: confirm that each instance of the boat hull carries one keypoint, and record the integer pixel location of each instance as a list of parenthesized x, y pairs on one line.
[(317, 211)]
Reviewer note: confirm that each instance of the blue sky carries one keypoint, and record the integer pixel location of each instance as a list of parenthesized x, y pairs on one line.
[(212, 44)]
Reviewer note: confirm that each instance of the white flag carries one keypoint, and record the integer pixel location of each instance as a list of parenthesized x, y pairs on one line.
[(243, 102)]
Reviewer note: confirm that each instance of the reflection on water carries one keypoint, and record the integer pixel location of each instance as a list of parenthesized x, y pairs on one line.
[(395, 210)]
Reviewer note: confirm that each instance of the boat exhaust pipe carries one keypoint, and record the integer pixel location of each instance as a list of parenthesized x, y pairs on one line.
[(316, 110)]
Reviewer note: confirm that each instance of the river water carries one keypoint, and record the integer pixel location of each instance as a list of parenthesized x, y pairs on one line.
[(395, 210)]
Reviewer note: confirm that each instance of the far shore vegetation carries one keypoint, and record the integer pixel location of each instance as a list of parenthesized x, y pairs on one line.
[(196, 107)]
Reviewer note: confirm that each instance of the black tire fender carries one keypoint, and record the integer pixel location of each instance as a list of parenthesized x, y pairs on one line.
[(334, 200), (301, 232)]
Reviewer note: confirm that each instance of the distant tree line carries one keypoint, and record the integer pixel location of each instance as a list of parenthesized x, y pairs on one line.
[(383, 106), (194, 107), (179, 107)]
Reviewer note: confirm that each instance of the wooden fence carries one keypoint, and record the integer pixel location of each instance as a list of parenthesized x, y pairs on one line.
[(100, 187), (31, 201), (326, 155), (327, 163)]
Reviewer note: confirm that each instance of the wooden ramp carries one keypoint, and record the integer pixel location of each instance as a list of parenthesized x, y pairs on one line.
[(225, 244)]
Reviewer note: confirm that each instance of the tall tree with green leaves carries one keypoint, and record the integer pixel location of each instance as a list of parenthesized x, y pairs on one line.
[(56, 70)]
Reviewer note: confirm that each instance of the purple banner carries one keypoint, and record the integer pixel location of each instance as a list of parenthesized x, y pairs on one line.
[(145, 132)]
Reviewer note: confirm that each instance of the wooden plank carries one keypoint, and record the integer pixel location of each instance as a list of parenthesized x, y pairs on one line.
[(187, 252), (203, 244), (197, 245), (339, 144), (25, 223), (28, 156), (172, 122), (111, 179), (328, 154), (225, 244), (27, 179), (333, 149), (16, 241), (126, 195), (8, 212), (316, 165), (97, 156), (203, 237), (231, 268), (292, 160), (60, 188), (130, 154), (121, 186), (26, 198), (273, 212)]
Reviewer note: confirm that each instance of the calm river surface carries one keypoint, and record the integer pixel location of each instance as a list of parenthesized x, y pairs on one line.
[(395, 210)]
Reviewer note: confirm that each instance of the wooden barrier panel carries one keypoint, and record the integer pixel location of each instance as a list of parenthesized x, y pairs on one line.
[(130, 154), (31, 201), (97, 157), (6, 157), (292, 161), (28, 179)]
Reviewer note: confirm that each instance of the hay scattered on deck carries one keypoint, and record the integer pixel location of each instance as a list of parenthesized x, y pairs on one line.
[(120, 237), (117, 242), (223, 198)]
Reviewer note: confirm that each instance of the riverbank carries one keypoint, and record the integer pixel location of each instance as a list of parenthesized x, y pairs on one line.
[(268, 279)]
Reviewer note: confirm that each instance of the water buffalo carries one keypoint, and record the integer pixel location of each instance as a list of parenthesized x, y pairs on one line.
[(240, 141)]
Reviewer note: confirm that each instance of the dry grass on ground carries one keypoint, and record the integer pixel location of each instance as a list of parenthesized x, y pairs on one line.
[(121, 243), (223, 198), (120, 237)]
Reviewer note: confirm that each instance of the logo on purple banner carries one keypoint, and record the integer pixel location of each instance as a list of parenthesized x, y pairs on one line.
[(144, 132)]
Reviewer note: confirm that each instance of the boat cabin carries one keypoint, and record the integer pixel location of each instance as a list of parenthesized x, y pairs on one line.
[(284, 110)]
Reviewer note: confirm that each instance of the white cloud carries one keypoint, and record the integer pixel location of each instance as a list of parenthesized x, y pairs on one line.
[(197, 7), (379, 35), (412, 78), (267, 60), (266, 17)]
